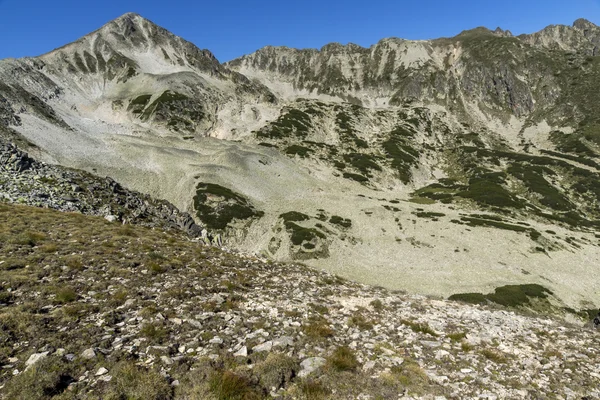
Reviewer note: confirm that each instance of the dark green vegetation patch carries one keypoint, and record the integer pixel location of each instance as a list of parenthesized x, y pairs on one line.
[(494, 224), (294, 216), (179, 112), (401, 155), (429, 214), (217, 206), (137, 105), (300, 235), (508, 296), (521, 184), (294, 122), (365, 163), (487, 189), (343, 222), (298, 150), (355, 177)]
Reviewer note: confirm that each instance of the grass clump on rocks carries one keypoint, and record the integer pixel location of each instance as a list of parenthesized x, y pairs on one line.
[(228, 385), (343, 359)]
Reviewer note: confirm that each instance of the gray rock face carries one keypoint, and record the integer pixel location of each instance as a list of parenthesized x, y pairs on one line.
[(500, 72), (583, 36), (243, 352), (267, 346)]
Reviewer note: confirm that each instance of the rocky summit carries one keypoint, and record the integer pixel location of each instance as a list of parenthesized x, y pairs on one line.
[(416, 218)]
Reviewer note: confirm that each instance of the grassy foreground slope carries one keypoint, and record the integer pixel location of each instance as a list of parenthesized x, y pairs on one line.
[(99, 310)]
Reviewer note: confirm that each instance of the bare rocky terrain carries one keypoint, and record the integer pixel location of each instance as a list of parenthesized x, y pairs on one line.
[(96, 309)]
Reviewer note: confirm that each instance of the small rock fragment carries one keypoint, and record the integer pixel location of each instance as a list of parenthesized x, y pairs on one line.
[(310, 365), (266, 346), (243, 352), (88, 354)]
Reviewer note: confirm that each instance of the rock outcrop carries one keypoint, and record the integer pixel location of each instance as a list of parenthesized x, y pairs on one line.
[(23, 180)]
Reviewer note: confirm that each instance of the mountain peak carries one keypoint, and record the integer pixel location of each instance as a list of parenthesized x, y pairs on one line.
[(583, 24), (131, 24), (129, 15), (133, 44)]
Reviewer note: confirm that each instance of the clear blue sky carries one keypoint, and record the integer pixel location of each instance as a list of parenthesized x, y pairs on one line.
[(231, 28)]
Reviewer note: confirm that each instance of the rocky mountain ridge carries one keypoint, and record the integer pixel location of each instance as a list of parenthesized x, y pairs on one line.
[(509, 75)]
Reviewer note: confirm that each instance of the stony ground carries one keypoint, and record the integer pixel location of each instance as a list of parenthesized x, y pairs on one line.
[(94, 309)]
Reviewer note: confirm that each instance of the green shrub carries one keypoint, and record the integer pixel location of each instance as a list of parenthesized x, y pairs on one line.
[(295, 149), (318, 328), (44, 380), (377, 305), (427, 214), (518, 295), (471, 298), (489, 193), (456, 336), (228, 385), (494, 356), (493, 224), (29, 238), (276, 371), (74, 262), (300, 234), (136, 383), (118, 298), (342, 359), (65, 295), (224, 206), (153, 332), (365, 163), (343, 222), (313, 389), (355, 177), (402, 157), (156, 268), (509, 296), (360, 321), (411, 376), (419, 327), (11, 264), (294, 216)]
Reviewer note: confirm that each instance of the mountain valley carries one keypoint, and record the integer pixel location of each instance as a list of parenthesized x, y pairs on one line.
[(416, 219), (440, 167)]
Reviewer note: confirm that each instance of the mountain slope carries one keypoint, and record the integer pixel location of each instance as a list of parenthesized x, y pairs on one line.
[(93, 309), (447, 166)]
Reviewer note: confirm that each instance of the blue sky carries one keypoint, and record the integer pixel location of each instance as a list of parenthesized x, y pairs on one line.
[(233, 28)]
